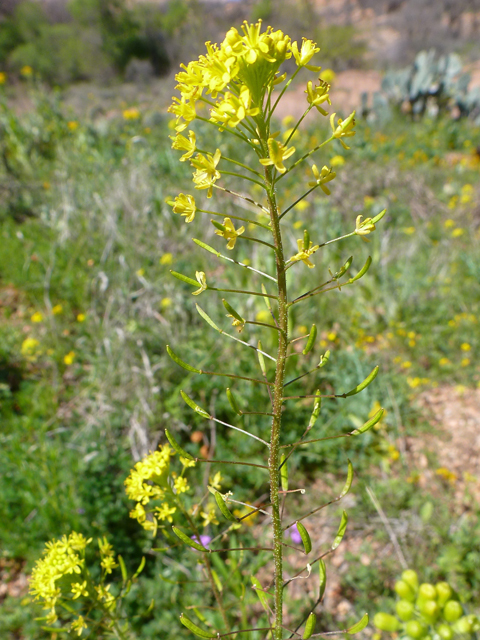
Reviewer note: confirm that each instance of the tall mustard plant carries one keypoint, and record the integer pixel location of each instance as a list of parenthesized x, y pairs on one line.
[(236, 88)]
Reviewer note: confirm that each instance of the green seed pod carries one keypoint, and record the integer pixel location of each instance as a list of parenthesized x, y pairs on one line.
[(405, 610), (181, 363), (410, 577), (416, 629), (177, 447), (429, 609), (404, 590), (452, 611), (196, 630), (226, 513), (360, 387), (311, 340), (427, 591), (445, 631), (284, 472), (464, 625), (193, 405), (362, 271), (386, 622), (322, 573), (188, 541), (306, 239), (358, 626), (307, 543), (444, 593), (233, 402), (309, 626)]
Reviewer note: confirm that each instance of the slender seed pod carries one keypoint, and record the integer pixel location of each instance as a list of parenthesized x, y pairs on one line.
[(311, 340), (284, 472), (360, 387), (226, 513), (193, 405), (369, 424), (362, 271), (194, 629), (183, 364), (309, 626), (307, 543), (341, 530), (358, 626), (233, 402), (188, 541), (322, 572), (183, 278), (177, 447), (206, 247)]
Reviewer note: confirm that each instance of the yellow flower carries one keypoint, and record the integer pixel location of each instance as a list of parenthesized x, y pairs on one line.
[(167, 258), (202, 281), (79, 589), (108, 564), (165, 303), (328, 75), (69, 358), (449, 223), (37, 317), (209, 517), (406, 364), (26, 71), (456, 233), (216, 480), (321, 177), (339, 161), (187, 463), (165, 512), (182, 110), (233, 109), (3, 77), (446, 474), (181, 485), (81, 317), (277, 153), (228, 231), (78, 625), (304, 253), (206, 173), (306, 53), (364, 228), (29, 347), (443, 362), (182, 144), (317, 95), (343, 128), (57, 309), (409, 231), (465, 346), (131, 114), (465, 362), (184, 205), (140, 272), (72, 125)]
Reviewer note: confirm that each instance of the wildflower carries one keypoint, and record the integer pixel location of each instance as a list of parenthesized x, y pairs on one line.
[(167, 258), (216, 480), (202, 281), (181, 485), (321, 177), (206, 173), (3, 77), (185, 206), (277, 153), (78, 625), (449, 223), (187, 463), (443, 362), (364, 228), (228, 231), (465, 362), (57, 309), (37, 317), (165, 512), (105, 547), (151, 469), (294, 534), (29, 347), (344, 128), (233, 109), (456, 233), (131, 114), (26, 71), (465, 346), (446, 474), (406, 364), (69, 358), (108, 564), (72, 125), (328, 75), (79, 589), (81, 317), (304, 253), (306, 53), (204, 540), (183, 110), (339, 161), (317, 95), (140, 272), (209, 517), (165, 303), (182, 144)]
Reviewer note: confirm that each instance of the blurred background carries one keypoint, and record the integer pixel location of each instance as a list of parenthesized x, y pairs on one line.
[(87, 302)]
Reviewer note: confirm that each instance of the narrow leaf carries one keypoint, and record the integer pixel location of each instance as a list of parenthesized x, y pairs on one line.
[(309, 626), (362, 271), (369, 424), (194, 629), (262, 596), (193, 405), (226, 513), (55, 630), (232, 311), (207, 318), (359, 626), (311, 339), (177, 447), (360, 387), (322, 571), (284, 472), (341, 530), (261, 359), (181, 363), (316, 409), (123, 568), (348, 483), (206, 247), (233, 402), (188, 541), (307, 543), (183, 278)]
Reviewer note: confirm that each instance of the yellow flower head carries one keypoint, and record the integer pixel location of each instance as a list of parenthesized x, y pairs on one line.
[(165, 512), (277, 153), (72, 125), (167, 258), (37, 317), (131, 114), (306, 53), (233, 109), (343, 128), (69, 358), (304, 253), (3, 77), (362, 229), (206, 173), (78, 625), (26, 71), (57, 309), (184, 111), (184, 205), (79, 589), (29, 348), (321, 177), (317, 95), (182, 144), (228, 231), (148, 476), (180, 484), (202, 281)]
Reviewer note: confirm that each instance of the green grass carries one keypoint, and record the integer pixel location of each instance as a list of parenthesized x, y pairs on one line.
[(85, 227)]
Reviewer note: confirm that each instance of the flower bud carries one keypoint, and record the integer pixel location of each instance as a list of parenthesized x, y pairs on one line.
[(386, 622), (445, 631), (427, 591), (415, 629), (410, 577), (452, 611), (429, 610), (464, 625), (444, 592), (404, 590), (405, 610)]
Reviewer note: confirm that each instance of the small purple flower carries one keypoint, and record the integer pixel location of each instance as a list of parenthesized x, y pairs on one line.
[(294, 534), (204, 540)]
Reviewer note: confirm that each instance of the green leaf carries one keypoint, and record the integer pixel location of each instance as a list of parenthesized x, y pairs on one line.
[(307, 543), (309, 626), (262, 596), (316, 409), (188, 541), (233, 402), (193, 405), (177, 447), (223, 507), (362, 271), (123, 568), (194, 629), (284, 472), (341, 530), (311, 339), (322, 571), (207, 318), (183, 278), (359, 626), (206, 247), (232, 311), (369, 424), (181, 363), (348, 483), (360, 387)]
